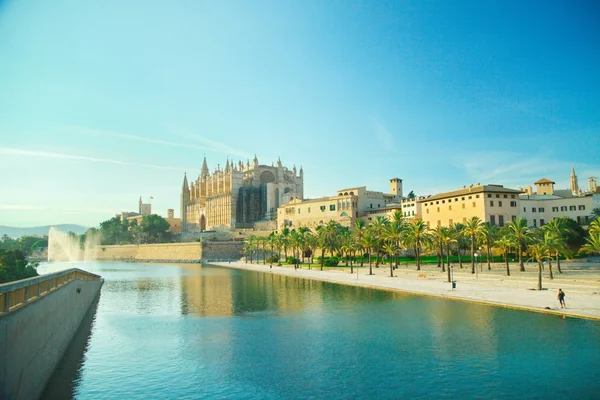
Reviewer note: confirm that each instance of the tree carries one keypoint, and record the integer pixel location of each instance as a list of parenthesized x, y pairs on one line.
[(596, 213), (505, 244), (359, 231), (415, 232), (411, 195), (488, 235), (520, 233), (592, 244), (538, 252), (377, 228), (472, 229), (447, 237), (155, 228), (13, 266), (559, 228)]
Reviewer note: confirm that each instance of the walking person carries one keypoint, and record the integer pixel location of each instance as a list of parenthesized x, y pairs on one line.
[(561, 298)]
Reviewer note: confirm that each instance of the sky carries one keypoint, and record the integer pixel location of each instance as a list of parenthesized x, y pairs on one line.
[(102, 102)]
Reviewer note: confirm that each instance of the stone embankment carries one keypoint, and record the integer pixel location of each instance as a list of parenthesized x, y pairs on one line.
[(582, 285)]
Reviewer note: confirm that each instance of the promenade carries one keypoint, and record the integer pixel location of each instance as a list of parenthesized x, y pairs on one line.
[(581, 283)]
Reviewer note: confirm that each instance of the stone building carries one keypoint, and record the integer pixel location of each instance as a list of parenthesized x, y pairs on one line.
[(345, 208), (237, 196), (491, 203)]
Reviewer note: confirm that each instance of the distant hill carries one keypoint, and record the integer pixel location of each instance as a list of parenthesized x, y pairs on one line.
[(15, 232)]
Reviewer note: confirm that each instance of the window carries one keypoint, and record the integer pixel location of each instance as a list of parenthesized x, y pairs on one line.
[(497, 196), (322, 208), (413, 213), (572, 208), (491, 203), (541, 209), (501, 220), (533, 209), (554, 209), (449, 207), (506, 196), (524, 209), (427, 211), (489, 195), (470, 197), (581, 207), (439, 223), (308, 209), (514, 218), (371, 205), (443, 201), (541, 222), (477, 196), (563, 208), (463, 205), (579, 220), (463, 198), (535, 222), (298, 211), (474, 204), (493, 219), (438, 209), (450, 222), (437, 202), (512, 196), (456, 199), (513, 203), (499, 203), (332, 207)]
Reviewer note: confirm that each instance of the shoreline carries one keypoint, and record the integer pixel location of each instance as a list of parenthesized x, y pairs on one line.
[(493, 289)]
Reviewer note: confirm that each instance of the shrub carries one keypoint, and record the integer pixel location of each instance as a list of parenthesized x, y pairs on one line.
[(292, 260), (332, 262), (273, 259)]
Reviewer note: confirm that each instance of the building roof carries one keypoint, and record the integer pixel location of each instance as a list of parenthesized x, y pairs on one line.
[(544, 180), (471, 190)]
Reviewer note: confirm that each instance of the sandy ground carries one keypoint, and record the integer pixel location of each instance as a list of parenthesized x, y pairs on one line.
[(580, 282)]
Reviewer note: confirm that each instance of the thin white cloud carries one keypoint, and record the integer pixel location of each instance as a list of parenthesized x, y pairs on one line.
[(47, 154), (384, 136), (101, 132), (19, 207), (216, 146)]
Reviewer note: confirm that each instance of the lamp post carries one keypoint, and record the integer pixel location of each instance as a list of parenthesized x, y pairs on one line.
[(476, 269), (480, 266)]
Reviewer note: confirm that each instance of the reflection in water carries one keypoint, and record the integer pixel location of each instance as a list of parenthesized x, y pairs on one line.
[(192, 331)]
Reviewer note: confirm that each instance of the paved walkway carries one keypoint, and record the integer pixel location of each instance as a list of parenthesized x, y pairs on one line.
[(582, 287)]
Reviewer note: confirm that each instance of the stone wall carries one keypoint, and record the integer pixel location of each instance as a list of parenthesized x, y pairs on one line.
[(34, 338), (171, 252)]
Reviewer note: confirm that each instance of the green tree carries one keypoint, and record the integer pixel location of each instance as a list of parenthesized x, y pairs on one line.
[(415, 233), (505, 243), (538, 252), (377, 228), (13, 266), (488, 234), (520, 233), (472, 229), (592, 244), (155, 228)]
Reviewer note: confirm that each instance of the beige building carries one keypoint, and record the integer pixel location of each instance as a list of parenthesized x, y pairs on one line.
[(491, 203), (546, 203), (237, 196), (345, 208)]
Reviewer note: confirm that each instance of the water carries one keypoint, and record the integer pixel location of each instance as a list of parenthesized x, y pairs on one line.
[(191, 331)]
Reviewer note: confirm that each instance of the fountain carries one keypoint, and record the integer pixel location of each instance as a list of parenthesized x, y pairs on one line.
[(65, 246)]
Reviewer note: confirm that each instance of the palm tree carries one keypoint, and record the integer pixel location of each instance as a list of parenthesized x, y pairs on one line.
[(295, 242), (377, 228), (414, 234), (488, 234), (359, 231), (304, 232), (462, 241), (596, 213), (538, 252), (311, 242), (472, 229), (447, 235), (271, 241), (559, 228), (393, 233), (505, 243), (593, 241), (436, 241), (368, 242), (284, 237), (390, 248), (520, 233)]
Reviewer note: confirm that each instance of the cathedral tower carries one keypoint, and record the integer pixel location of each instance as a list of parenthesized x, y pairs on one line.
[(573, 180), (185, 199)]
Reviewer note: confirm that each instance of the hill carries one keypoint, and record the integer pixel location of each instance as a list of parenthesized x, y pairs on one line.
[(16, 232)]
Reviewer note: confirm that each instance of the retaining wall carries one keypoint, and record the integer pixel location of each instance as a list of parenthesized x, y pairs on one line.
[(171, 252), (34, 338)]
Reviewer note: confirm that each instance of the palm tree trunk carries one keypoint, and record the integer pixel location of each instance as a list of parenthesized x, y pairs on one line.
[(489, 256), (473, 254), (558, 262), (377, 257), (550, 267), (437, 253), (391, 268), (459, 258), (539, 285), (417, 258), (442, 254), (506, 261), (520, 250), (370, 265), (448, 260), (322, 258)]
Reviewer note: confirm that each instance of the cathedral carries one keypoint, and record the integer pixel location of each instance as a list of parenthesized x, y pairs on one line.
[(237, 196)]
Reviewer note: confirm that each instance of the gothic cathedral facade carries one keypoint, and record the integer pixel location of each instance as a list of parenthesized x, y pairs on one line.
[(238, 196)]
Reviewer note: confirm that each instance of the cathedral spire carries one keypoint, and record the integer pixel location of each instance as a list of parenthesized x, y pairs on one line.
[(255, 163), (185, 183), (279, 162), (227, 166), (573, 180), (204, 172)]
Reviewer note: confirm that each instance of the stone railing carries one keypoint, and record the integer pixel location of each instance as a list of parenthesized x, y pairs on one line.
[(18, 294)]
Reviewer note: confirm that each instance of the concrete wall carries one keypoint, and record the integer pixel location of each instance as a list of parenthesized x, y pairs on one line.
[(34, 338), (171, 252)]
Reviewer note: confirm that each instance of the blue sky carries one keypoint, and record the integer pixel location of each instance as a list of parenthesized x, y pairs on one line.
[(104, 101)]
